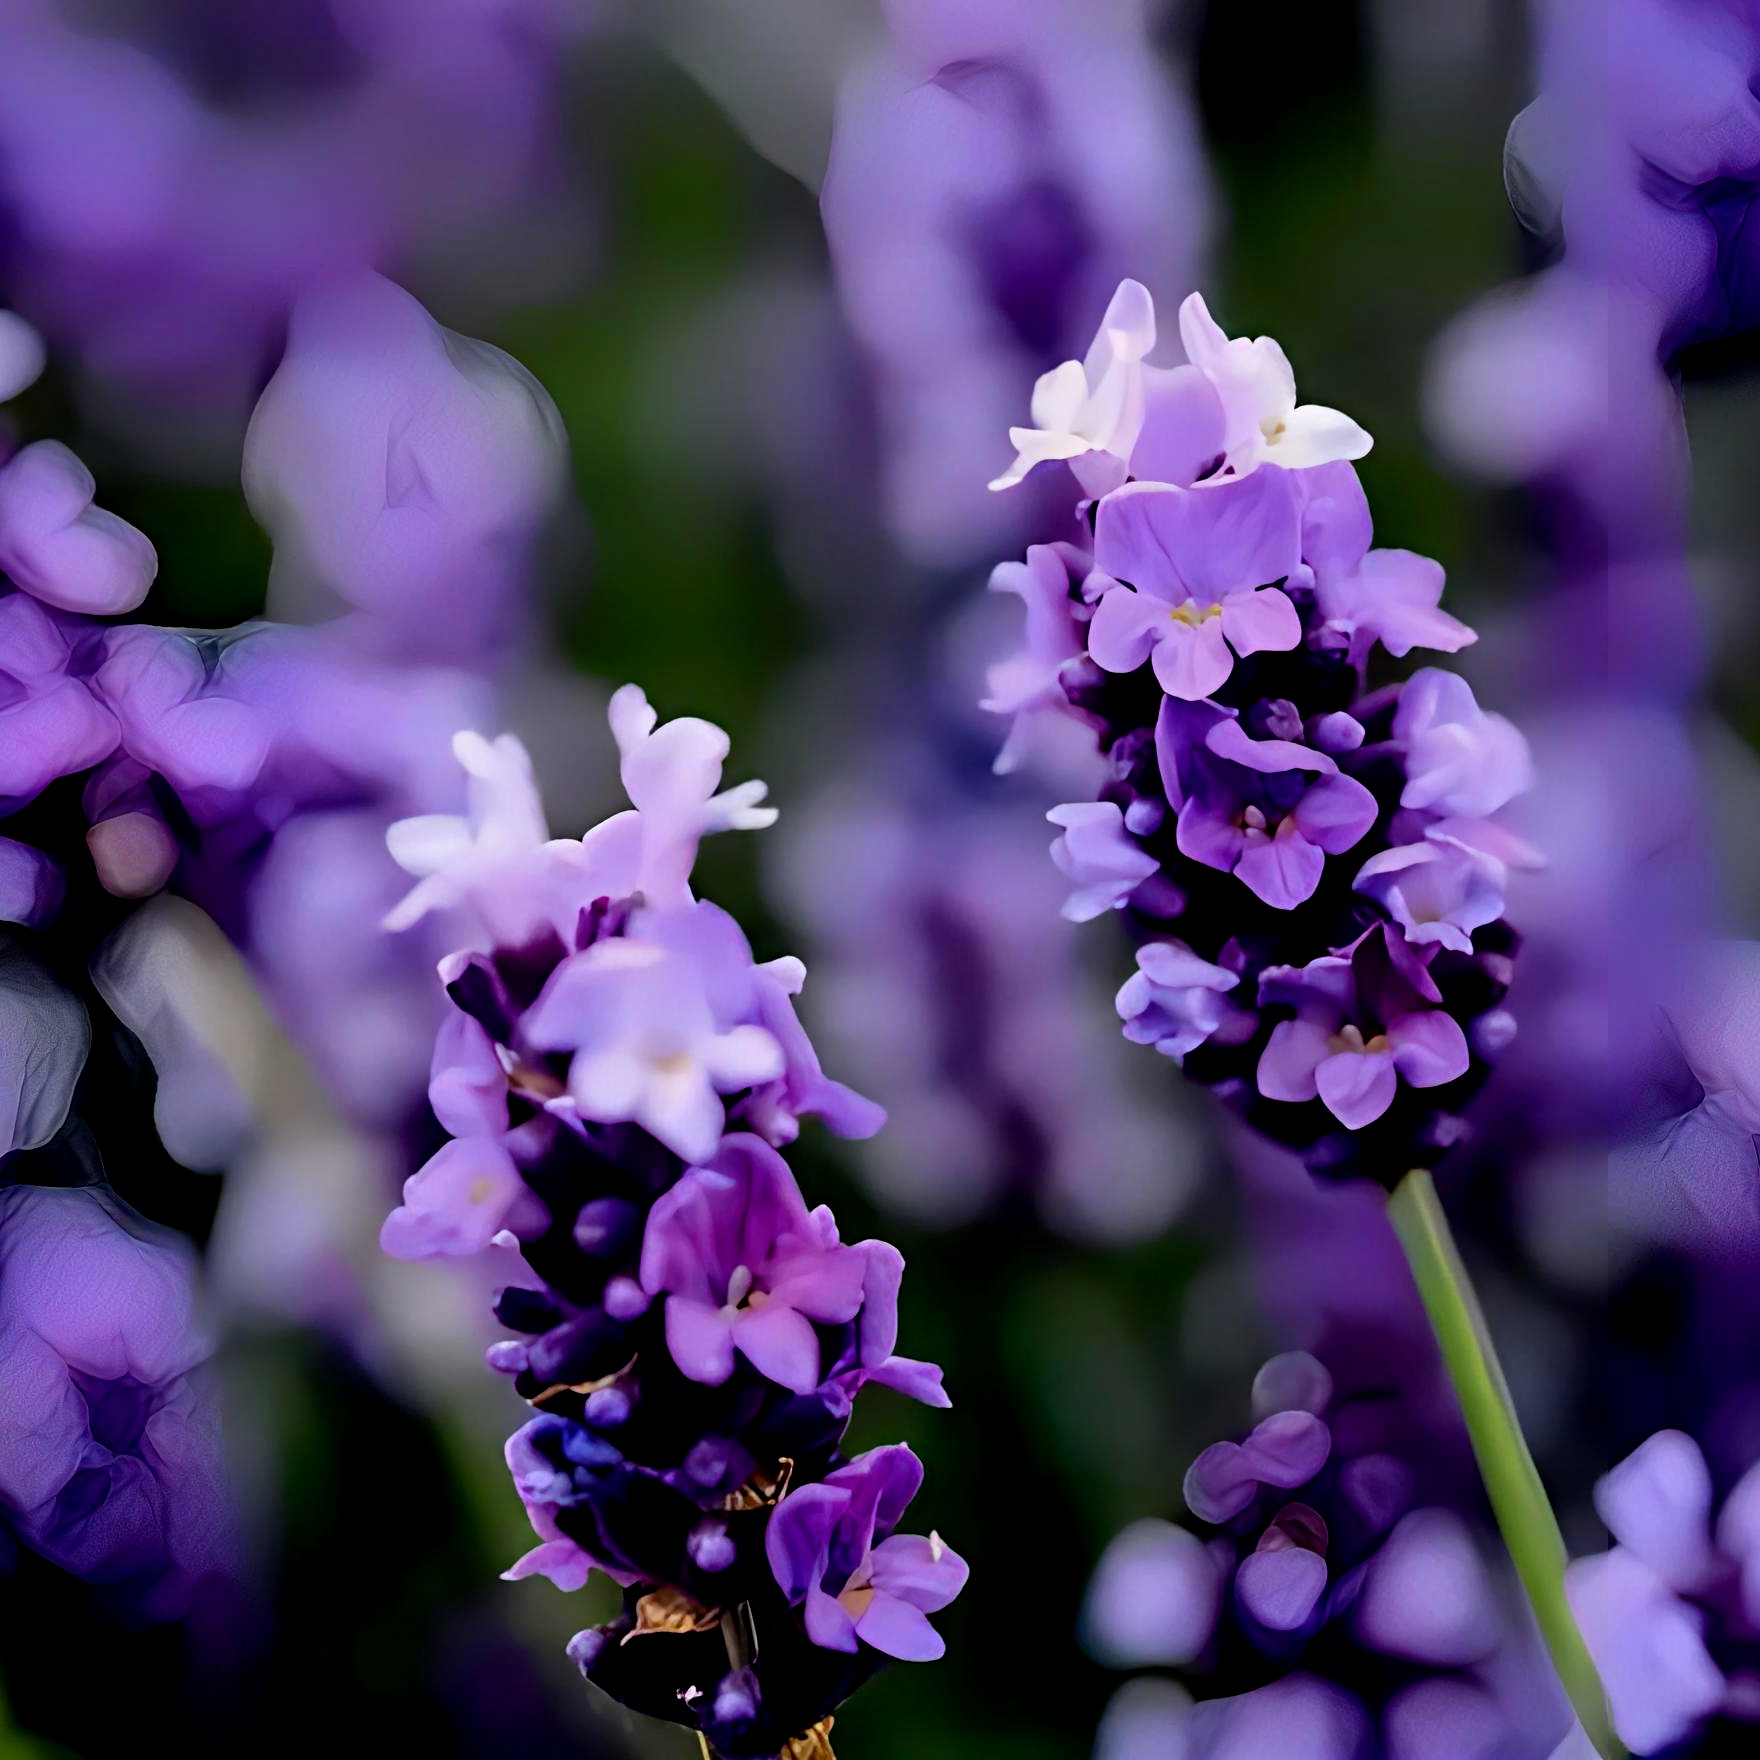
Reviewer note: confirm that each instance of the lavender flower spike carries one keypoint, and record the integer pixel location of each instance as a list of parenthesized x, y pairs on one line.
[(1306, 850), (618, 1077)]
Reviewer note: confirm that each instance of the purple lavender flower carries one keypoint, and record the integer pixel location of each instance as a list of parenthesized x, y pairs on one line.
[(745, 1268), (1672, 1611), (833, 1548), (697, 1336), (1311, 861), (1268, 811), (1365, 1020), (1203, 564)]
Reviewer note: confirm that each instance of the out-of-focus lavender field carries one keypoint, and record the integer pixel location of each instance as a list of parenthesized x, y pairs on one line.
[(449, 449)]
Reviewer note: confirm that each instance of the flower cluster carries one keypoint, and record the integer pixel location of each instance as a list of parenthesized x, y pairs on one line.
[(1672, 1612), (616, 1078), (1341, 1608), (1310, 859)]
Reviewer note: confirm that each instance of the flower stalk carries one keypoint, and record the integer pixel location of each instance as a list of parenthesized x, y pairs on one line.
[(1512, 1481)]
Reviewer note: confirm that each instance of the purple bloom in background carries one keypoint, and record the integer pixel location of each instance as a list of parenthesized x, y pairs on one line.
[(833, 1549), (1027, 683), (110, 1462), (404, 470), (1671, 1613), (939, 958), (1367, 1615), (163, 233), (696, 1336), (995, 169)]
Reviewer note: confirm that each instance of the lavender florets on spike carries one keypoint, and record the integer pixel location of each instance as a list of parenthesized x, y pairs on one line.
[(616, 1079), (1308, 855)]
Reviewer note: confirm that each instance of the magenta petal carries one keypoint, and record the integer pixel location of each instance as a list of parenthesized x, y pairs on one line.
[(700, 1339), (1357, 1086), (1428, 1048), (897, 1629), (779, 1343), (1192, 661), (1280, 1589), (1284, 869), (1123, 629), (1261, 622), (1290, 1060)]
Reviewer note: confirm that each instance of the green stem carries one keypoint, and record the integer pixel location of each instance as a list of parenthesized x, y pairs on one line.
[(1518, 1499)]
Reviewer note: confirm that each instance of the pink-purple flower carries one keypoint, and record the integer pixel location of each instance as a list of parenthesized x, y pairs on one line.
[(1365, 1020), (834, 1551)]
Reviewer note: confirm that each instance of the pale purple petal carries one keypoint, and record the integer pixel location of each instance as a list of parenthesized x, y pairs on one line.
[(1202, 543), (1192, 660), (1335, 813), (1650, 1649), (700, 1338), (1428, 1048), (1153, 1598), (1261, 622), (925, 1571), (776, 1340), (1282, 869), (1228, 739), (1358, 1086), (897, 1629), (1124, 629), (1289, 1064), (1657, 1504)]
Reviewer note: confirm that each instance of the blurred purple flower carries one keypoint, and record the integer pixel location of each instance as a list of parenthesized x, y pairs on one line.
[(1671, 1612), (163, 231), (110, 1460), (980, 216), (1315, 1524), (405, 471)]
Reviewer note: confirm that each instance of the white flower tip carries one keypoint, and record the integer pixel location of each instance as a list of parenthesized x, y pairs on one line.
[(1130, 321), (472, 750), (631, 715)]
